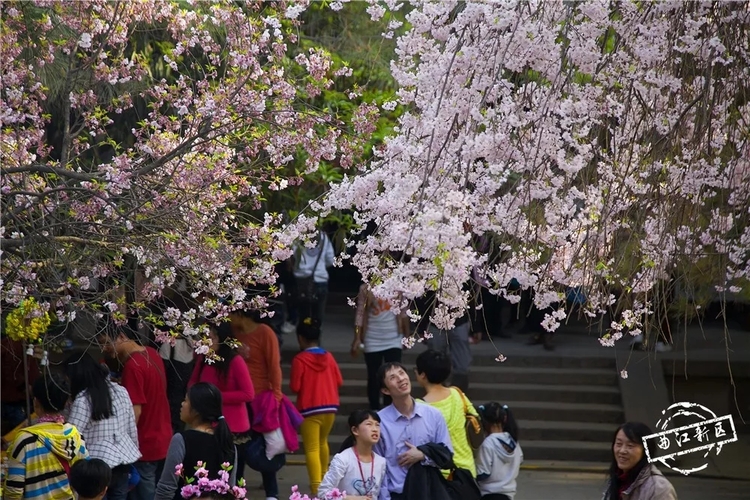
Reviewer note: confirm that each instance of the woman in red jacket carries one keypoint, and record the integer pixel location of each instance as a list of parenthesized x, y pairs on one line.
[(316, 379)]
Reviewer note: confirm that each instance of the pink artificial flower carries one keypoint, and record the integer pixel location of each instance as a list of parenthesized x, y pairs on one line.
[(190, 491)]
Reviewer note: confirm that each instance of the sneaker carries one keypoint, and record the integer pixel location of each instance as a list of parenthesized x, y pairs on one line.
[(663, 347), (288, 328)]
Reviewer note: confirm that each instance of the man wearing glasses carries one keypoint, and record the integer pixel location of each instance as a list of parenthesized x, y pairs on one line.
[(405, 425)]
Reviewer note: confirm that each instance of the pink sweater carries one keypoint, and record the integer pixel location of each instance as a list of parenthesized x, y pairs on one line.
[(236, 390)]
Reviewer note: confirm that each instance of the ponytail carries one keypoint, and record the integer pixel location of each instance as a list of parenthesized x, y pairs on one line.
[(348, 443), (224, 350), (497, 414), (510, 426), (224, 438), (205, 399)]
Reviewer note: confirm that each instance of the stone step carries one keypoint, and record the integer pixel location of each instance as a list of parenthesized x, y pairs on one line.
[(511, 375), (567, 407), (533, 450), (566, 450), (532, 410), (543, 360), (480, 393)]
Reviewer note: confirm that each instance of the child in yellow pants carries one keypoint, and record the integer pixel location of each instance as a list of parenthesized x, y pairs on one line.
[(316, 379)]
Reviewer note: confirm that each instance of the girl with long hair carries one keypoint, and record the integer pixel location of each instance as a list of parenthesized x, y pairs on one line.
[(103, 413), (500, 455), (232, 377), (631, 477), (207, 439), (356, 469)]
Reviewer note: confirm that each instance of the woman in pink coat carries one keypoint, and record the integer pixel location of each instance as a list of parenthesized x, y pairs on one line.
[(232, 377)]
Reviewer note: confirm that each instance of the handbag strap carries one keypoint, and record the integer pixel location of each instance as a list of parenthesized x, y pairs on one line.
[(463, 399), (320, 254)]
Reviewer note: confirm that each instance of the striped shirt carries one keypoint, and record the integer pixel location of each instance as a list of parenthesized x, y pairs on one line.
[(35, 470)]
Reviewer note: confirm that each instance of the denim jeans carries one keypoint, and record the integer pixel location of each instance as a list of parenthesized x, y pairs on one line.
[(305, 309), (270, 484), (118, 485), (150, 472), (13, 413)]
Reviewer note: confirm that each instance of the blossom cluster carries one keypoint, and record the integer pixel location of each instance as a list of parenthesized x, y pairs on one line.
[(28, 322), (199, 482), (112, 222), (334, 494), (557, 146)]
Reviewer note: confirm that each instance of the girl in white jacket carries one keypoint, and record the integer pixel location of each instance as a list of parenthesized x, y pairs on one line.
[(500, 455)]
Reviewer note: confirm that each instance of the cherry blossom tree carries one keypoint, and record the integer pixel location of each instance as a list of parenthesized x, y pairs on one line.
[(137, 141), (601, 145)]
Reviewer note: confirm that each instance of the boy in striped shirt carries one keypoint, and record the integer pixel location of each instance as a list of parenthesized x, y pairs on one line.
[(41, 455)]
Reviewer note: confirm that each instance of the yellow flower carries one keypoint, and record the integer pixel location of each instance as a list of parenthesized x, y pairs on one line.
[(28, 321), (307, 321)]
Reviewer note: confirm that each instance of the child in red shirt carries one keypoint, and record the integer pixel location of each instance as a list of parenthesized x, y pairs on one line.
[(316, 379)]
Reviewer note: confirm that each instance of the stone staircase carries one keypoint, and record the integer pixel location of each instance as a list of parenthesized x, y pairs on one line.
[(567, 408)]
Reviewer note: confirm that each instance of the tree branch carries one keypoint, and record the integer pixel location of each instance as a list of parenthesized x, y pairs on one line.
[(46, 169), (21, 242)]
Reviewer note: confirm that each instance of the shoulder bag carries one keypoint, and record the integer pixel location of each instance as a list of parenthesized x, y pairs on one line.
[(474, 432), (306, 286)]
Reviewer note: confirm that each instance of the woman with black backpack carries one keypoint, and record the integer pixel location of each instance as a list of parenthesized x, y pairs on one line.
[(207, 440)]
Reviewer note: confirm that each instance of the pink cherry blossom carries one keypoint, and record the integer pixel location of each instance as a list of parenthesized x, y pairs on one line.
[(164, 206)]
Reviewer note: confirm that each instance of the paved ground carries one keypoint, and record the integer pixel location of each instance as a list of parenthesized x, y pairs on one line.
[(549, 485)]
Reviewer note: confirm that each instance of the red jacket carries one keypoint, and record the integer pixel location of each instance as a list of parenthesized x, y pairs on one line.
[(316, 380)]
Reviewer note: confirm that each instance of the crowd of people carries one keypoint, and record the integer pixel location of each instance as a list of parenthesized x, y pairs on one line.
[(107, 438), (138, 434)]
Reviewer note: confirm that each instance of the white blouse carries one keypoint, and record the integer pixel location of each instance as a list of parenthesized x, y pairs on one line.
[(344, 473)]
